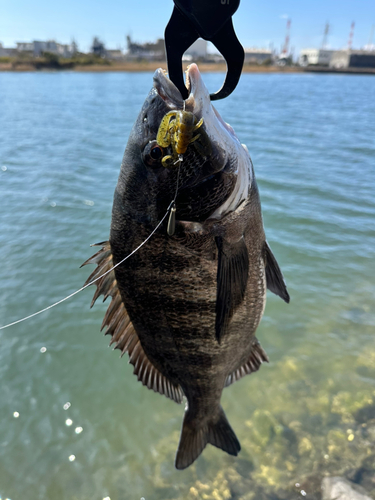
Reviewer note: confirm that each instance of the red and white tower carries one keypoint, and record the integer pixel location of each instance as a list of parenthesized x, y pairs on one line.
[(285, 51), (350, 41)]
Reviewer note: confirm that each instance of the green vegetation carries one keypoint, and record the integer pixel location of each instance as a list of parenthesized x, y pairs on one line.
[(88, 59), (267, 62), (52, 61)]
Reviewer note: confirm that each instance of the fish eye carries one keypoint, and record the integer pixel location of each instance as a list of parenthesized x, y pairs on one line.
[(152, 154), (156, 153)]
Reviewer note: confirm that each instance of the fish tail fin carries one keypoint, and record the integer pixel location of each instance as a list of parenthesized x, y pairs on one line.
[(194, 439), (222, 435)]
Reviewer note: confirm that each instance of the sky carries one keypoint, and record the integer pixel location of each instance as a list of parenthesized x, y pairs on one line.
[(257, 23)]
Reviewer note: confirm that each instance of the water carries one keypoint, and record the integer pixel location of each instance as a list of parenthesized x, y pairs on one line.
[(310, 411)]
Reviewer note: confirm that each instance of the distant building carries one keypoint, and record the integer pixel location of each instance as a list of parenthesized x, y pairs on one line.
[(150, 51), (257, 56), (198, 50), (25, 47), (318, 57), (115, 55), (342, 59), (4, 52), (37, 47), (284, 60), (97, 47)]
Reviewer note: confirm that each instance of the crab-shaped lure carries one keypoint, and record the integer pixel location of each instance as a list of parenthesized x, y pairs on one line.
[(177, 130)]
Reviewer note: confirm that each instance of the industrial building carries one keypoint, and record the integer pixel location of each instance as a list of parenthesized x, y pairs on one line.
[(317, 57), (36, 48), (342, 59), (198, 50), (149, 51), (4, 52), (115, 55), (98, 49), (257, 56), (156, 51)]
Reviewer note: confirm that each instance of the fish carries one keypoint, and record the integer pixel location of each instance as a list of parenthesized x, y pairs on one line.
[(185, 306)]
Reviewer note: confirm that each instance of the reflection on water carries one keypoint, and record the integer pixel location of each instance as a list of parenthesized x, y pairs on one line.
[(75, 422)]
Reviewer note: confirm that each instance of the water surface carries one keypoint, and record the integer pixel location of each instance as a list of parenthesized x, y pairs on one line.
[(310, 411)]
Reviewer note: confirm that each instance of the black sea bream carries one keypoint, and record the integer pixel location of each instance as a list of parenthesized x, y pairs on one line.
[(185, 307)]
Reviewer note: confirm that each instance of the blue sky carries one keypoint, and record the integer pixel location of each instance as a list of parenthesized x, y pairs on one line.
[(258, 23)]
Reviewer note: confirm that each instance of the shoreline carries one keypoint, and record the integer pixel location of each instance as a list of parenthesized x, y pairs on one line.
[(138, 67), (340, 71), (146, 66)]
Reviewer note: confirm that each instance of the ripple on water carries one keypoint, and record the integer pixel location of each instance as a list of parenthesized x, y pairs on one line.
[(78, 423)]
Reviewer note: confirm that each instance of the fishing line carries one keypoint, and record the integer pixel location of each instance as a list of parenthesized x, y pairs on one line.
[(179, 161), (96, 279), (171, 227)]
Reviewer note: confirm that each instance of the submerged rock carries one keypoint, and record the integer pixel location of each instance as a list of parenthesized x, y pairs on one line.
[(365, 474), (302, 420), (339, 488)]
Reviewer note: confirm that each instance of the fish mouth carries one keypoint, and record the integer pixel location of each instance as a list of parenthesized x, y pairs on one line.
[(167, 90), (198, 101), (227, 154), (198, 94)]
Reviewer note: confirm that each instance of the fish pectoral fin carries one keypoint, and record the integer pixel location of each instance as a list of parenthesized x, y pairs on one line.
[(251, 365), (119, 326), (232, 274), (217, 431), (274, 276)]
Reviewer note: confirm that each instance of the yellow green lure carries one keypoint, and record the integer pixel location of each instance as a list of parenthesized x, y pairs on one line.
[(177, 130)]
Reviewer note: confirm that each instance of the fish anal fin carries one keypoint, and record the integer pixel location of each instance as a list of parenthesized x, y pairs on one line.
[(121, 329), (194, 438), (274, 276), (251, 365), (232, 274)]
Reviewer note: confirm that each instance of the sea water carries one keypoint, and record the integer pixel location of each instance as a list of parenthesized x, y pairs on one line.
[(75, 422)]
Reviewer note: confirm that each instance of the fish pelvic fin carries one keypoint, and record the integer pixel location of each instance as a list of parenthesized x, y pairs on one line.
[(194, 438), (251, 365), (232, 274), (118, 325), (274, 276)]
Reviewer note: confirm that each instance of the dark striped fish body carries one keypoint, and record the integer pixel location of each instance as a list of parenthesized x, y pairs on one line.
[(186, 307)]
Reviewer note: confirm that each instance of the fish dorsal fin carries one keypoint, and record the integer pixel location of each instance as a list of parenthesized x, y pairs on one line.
[(232, 273), (256, 358), (119, 326), (274, 276)]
